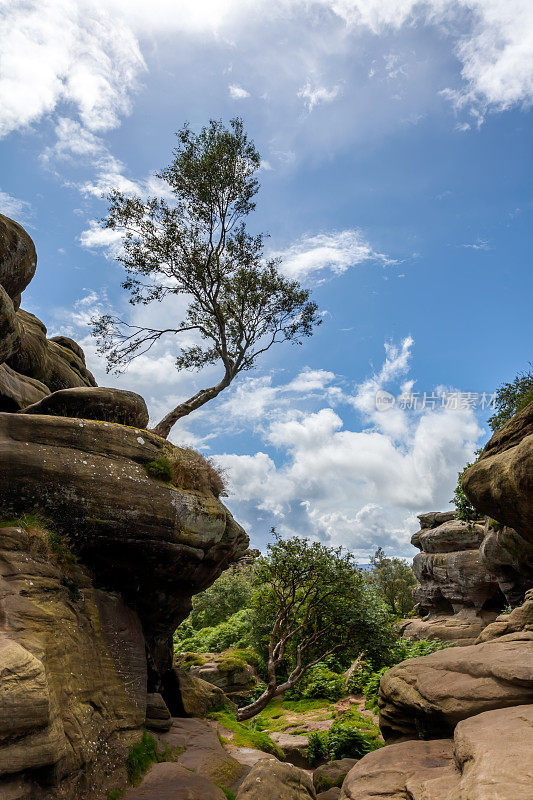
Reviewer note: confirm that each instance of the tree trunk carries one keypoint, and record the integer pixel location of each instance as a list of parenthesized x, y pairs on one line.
[(164, 427), (258, 705)]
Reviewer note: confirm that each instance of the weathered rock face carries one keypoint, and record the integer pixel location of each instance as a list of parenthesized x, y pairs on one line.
[(269, 778), (500, 484), (31, 366), (430, 695), (457, 595), (73, 672), (235, 681), (199, 697), (332, 774), (94, 402), (138, 535)]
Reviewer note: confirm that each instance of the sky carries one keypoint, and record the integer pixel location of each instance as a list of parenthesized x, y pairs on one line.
[(396, 177)]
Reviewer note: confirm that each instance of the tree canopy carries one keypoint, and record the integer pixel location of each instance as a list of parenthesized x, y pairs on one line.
[(193, 242), (311, 601), (395, 579)]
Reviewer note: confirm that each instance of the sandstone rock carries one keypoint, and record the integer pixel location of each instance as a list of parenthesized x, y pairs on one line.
[(332, 774), (73, 669), (269, 778), (294, 747), (520, 619), (331, 794), (199, 697), (18, 391), (235, 682), (94, 402), (451, 536), (168, 542), (169, 781), (494, 752), (415, 770), (37, 357), (9, 327), (454, 580), (428, 696), (434, 518), (70, 344), (18, 259), (157, 714), (458, 629), (500, 484), (201, 752)]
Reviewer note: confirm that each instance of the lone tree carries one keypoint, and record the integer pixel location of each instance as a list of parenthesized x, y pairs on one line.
[(311, 601), (196, 245)]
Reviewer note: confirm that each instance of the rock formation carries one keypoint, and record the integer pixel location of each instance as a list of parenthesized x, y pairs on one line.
[(500, 484), (478, 697), (107, 535), (458, 595)]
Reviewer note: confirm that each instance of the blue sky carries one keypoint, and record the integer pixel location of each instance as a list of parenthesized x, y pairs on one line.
[(396, 146)]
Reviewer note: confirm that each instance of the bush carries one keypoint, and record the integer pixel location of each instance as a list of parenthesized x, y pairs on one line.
[(187, 469), (319, 682), (234, 632), (345, 739)]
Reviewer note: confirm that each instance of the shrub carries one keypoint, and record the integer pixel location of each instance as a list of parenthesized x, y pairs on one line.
[(234, 632), (345, 739), (46, 540), (187, 469), (319, 682)]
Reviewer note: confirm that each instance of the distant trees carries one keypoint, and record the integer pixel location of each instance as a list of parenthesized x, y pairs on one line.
[(310, 601), (195, 245), (394, 579)]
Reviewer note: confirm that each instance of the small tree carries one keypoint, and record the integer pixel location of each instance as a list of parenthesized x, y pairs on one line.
[(394, 579), (511, 398), (197, 246), (310, 601)]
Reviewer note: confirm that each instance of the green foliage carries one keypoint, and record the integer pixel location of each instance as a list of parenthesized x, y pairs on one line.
[(511, 398), (463, 507), (160, 469), (247, 735), (394, 579), (233, 632), (196, 245), (405, 648), (318, 682), (371, 688), (141, 757), (345, 739), (115, 794), (231, 663), (231, 592)]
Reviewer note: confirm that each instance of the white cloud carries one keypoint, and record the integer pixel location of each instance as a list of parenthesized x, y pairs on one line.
[(237, 92), (10, 206), (336, 252), (95, 237), (315, 95), (360, 488)]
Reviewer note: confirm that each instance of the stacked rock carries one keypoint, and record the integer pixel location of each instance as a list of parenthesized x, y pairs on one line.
[(457, 596)]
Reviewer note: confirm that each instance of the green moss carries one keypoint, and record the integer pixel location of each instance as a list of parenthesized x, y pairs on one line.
[(229, 794), (160, 469), (246, 736), (187, 660), (115, 794), (231, 663), (305, 705)]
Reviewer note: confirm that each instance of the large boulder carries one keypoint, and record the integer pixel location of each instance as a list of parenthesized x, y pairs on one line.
[(94, 402), (332, 774), (157, 714), (500, 484), (428, 696), (72, 667), (18, 391), (459, 629), (18, 259), (140, 535), (270, 778), (418, 770), (231, 674), (199, 697)]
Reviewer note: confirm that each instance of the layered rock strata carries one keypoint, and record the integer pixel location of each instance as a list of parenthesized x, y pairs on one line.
[(457, 595)]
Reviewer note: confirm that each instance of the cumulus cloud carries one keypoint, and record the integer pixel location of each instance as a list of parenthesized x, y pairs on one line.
[(334, 252), (356, 487)]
